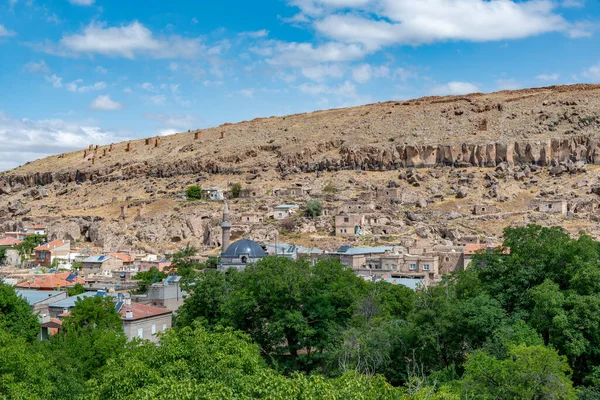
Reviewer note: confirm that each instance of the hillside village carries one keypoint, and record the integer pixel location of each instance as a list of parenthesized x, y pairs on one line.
[(407, 214)]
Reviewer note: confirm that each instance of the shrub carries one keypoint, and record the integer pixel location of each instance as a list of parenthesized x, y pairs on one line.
[(314, 208), (236, 188), (194, 192), (330, 188)]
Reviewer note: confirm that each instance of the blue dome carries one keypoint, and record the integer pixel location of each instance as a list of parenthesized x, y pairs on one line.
[(244, 247)]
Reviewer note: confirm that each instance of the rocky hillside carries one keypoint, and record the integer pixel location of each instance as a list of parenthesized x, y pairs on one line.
[(509, 147)]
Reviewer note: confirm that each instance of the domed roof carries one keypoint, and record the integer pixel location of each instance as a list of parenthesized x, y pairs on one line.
[(244, 247)]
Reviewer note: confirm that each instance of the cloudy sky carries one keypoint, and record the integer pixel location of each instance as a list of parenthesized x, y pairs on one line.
[(76, 72)]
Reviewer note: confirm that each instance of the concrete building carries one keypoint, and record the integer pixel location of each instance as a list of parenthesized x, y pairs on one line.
[(388, 194), (473, 249), (358, 207), (212, 194), (284, 211), (553, 206), (356, 257), (404, 265), (49, 282), (293, 251), (167, 294), (292, 191), (142, 321), (47, 252), (348, 225), (41, 300), (486, 209), (159, 264), (103, 264)]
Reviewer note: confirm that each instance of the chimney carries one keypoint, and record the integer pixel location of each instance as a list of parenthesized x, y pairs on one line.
[(129, 314), (128, 301), (197, 135)]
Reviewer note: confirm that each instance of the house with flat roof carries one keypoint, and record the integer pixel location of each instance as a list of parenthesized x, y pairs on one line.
[(41, 300), (348, 225), (102, 264), (284, 211), (212, 194)]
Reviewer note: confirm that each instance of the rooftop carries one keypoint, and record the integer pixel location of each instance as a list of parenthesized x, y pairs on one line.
[(353, 251), (97, 259), (126, 258), (35, 296), (9, 242), (141, 311), (51, 245), (52, 281), (70, 302)]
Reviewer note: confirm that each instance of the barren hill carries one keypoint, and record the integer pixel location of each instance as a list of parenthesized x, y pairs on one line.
[(457, 141)]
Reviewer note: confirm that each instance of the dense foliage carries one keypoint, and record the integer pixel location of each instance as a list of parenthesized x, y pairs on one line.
[(194, 192), (523, 324), (236, 188), (147, 278), (314, 208)]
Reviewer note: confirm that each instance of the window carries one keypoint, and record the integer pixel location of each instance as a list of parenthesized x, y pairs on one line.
[(244, 260), (140, 333), (253, 194), (550, 206), (413, 267), (346, 219), (447, 258), (425, 267), (280, 215), (164, 327), (387, 266), (153, 329), (483, 210)]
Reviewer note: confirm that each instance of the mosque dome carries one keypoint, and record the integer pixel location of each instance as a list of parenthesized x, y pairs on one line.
[(244, 247)]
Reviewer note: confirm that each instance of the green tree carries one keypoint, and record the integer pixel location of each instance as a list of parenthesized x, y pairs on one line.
[(146, 279), (91, 335), (27, 246), (2, 254), (279, 301), (194, 192), (76, 289), (184, 263), (16, 315), (236, 188), (529, 372), (314, 208)]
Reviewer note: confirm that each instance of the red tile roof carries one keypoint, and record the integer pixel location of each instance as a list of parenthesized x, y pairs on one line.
[(9, 242), (50, 245), (141, 311), (126, 258), (53, 325), (51, 282), (38, 227)]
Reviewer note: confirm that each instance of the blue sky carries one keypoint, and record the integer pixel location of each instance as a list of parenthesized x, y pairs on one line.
[(76, 72)]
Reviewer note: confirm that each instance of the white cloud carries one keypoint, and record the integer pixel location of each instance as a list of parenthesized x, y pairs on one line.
[(363, 73), (246, 93), (410, 22), (592, 73), (82, 2), (5, 32), (212, 83), (105, 103), (454, 88), (174, 88), (27, 140), (256, 34), (101, 70), (147, 86), (158, 100), (548, 77), (321, 71), (194, 20), (55, 81), (306, 54), (77, 88), (128, 41), (36, 67), (167, 132)]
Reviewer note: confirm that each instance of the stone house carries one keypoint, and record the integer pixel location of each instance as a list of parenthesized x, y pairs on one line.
[(450, 258), (47, 252), (358, 207), (388, 194), (285, 211), (167, 294), (553, 206), (348, 225), (472, 249), (100, 265), (40, 300), (465, 240), (356, 257), (251, 193), (159, 264), (141, 321), (252, 218), (292, 191), (485, 209)]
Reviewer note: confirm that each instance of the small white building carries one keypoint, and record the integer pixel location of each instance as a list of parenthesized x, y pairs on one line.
[(212, 194), (285, 211)]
